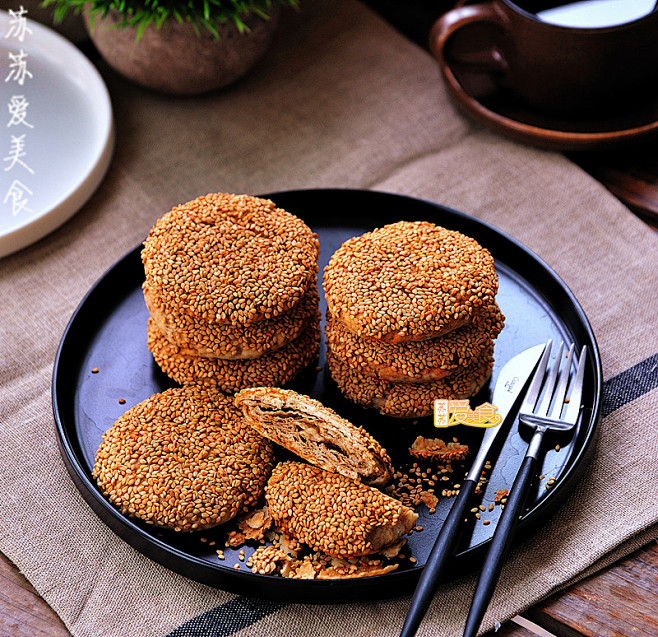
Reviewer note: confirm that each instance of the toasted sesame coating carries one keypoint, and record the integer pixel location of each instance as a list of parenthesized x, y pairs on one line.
[(409, 281), (227, 258), (183, 459), (408, 400), (332, 513), (416, 361), (230, 376), (224, 340), (316, 433)]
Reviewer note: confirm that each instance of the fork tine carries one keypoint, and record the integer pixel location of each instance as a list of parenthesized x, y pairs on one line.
[(534, 389), (575, 398), (550, 384), (563, 383)]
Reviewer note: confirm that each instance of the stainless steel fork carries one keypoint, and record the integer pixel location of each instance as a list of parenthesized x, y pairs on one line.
[(552, 388)]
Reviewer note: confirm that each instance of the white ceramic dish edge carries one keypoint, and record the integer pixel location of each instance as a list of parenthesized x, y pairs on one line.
[(66, 55)]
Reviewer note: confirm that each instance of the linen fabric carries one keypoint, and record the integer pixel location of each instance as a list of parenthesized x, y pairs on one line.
[(341, 100)]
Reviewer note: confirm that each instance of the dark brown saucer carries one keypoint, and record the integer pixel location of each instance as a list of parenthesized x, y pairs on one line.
[(478, 95)]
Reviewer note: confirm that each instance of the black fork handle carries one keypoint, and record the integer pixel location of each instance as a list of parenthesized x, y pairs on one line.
[(441, 552), (500, 544)]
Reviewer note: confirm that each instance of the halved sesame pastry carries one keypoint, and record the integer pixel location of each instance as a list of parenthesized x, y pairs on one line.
[(184, 459), (408, 400), (272, 368), (229, 259), (409, 281), (334, 514), (316, 433), (228, 341), (416, 361)]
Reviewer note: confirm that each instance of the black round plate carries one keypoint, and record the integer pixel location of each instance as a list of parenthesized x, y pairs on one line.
[(108, 332)]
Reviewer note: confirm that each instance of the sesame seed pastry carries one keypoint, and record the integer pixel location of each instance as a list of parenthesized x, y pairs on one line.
[(416, 361), (316, 433), (334, 514), (233, 259), (409, 281), (272, 368), (183, 459), (408, 400), (224, 340)]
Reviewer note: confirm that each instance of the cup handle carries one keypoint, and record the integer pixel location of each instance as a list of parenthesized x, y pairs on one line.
[(486, 60)]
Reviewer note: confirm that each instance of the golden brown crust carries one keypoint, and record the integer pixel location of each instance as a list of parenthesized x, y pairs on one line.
[(316, 433), (437, 450), (227, 258), (230, 376), (183, 459), (409, 281), (408, 400), (227, 341), (333, 514), (416, 361)]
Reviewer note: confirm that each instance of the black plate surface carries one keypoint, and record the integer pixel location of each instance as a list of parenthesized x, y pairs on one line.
[(108, 332)]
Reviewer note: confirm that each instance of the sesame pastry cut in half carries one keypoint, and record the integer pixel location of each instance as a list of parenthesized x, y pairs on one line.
[(230, 284), (334, 514), (184, 459), (316, 433)]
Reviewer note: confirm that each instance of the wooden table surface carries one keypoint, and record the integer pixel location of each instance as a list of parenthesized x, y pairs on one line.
[(620, 601)]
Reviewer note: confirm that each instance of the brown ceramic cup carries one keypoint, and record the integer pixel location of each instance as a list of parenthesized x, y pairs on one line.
[(552, 68)]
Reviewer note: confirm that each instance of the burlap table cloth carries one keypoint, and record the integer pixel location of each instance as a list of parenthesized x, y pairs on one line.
[(342, 100)]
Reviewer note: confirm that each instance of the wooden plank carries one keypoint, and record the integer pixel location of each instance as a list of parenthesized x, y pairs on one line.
[(629, 174), (23, 613), (618, 602)]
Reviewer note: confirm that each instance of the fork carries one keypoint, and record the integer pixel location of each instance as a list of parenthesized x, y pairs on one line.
[(540, 419)]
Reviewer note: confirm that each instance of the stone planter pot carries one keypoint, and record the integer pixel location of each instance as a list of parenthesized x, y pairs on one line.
[(176, 59)]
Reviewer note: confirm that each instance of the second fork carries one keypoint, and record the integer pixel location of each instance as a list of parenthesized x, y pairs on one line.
[(539, 418)]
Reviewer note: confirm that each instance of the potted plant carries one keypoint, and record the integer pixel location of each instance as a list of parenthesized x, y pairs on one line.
[(183, 47)]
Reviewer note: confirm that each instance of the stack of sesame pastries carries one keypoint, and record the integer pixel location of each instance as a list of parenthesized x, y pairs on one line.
[(411, 318), (231, 289), (184, 459)]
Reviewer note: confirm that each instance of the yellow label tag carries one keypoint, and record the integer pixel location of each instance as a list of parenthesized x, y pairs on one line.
[(448, 413)]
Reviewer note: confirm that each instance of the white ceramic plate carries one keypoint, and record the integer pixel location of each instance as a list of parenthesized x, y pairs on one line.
[(70, 144)]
